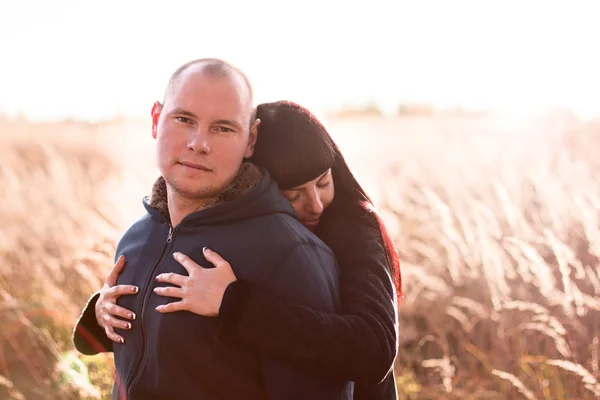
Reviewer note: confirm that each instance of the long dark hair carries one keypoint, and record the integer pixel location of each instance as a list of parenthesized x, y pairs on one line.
[(352, 197), (294, 146)]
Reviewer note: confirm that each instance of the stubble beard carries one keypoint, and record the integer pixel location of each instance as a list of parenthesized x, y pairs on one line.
[(198, 194)]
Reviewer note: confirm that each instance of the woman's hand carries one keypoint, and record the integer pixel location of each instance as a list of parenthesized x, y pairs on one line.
[(106, 306), (202, 291)]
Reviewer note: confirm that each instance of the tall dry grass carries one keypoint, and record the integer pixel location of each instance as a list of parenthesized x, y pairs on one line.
[(56, 240), (502, 271), (500, 234)]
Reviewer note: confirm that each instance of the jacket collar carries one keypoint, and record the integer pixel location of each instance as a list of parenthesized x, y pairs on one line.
[(247, 177)]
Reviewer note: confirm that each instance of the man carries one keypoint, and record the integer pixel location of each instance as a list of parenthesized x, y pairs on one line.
[(209, 198)]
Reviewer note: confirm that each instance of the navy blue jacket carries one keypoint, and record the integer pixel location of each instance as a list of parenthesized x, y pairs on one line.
[(177, 355)]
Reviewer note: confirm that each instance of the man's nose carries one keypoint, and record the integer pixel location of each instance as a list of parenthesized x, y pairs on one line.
[(199, 140)]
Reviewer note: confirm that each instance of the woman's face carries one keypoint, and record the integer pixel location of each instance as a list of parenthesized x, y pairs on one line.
[(311, 199)]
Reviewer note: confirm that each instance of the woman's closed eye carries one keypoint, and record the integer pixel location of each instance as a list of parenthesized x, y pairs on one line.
[(293, 198), (323, 184)]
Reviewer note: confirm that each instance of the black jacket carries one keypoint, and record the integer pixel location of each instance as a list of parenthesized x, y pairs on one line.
[(359, 343), (176, 355)]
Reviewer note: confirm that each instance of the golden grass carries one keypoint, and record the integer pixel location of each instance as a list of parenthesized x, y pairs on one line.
[(500, 235), (501, 266)]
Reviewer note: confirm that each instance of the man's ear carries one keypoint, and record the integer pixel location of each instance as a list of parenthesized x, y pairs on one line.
[(252, 139), (156, 109)]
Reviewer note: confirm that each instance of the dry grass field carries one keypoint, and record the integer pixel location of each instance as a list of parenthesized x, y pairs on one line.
[(499, 226)]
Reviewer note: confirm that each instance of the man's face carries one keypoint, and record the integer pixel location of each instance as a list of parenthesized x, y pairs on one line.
[(203, 133)]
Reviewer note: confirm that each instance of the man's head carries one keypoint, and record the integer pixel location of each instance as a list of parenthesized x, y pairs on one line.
[(204, 128)]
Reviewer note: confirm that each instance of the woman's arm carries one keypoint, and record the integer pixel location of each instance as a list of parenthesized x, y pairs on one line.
[(89, 337), (358, 344), (94, 330)]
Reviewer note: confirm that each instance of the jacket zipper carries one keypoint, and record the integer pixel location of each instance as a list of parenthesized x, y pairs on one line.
[(140, 361)]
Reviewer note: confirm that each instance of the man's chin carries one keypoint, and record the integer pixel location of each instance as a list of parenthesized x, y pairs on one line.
[(191, 189)]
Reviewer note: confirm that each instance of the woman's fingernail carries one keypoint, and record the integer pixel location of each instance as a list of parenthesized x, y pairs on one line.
[(127, 325), (157, 278), (135, 289), (131, 316), (205, 249), (121, 340), (156, 290), (176, 256), (158, 308)]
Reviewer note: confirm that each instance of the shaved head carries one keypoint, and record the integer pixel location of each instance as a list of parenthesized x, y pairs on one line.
[(217, 69)]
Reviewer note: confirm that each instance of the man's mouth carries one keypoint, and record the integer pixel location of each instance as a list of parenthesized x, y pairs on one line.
[(199, 167)]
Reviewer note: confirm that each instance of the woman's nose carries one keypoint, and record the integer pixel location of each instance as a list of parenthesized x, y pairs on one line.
[(315, 205)]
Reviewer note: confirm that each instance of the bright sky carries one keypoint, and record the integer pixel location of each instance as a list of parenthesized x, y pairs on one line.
[(93, 59)]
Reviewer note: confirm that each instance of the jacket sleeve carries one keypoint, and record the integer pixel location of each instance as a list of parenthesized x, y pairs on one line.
[(307, 275), (359, 343), (88, 337)]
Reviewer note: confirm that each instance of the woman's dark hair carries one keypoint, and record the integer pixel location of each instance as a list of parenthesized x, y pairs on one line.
[(296, 148), (292, 144)]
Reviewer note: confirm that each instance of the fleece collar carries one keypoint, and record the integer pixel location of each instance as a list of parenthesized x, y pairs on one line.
[(248, 176)]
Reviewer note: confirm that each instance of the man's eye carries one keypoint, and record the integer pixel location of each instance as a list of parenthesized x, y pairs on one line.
[(184, 120), (224, 129)]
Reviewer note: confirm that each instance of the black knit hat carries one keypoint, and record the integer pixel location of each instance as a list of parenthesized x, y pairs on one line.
[(292, 144)]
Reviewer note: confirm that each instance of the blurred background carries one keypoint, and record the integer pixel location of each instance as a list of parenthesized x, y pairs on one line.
[(474, 125)]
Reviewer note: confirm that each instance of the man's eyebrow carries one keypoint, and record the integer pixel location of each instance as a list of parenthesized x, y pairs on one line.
[(181, 111), (228, 122)]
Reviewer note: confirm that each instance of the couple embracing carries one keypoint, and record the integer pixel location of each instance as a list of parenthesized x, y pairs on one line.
[(260, 270)]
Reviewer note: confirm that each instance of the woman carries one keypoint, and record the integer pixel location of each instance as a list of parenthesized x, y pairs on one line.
[(360, 342)]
